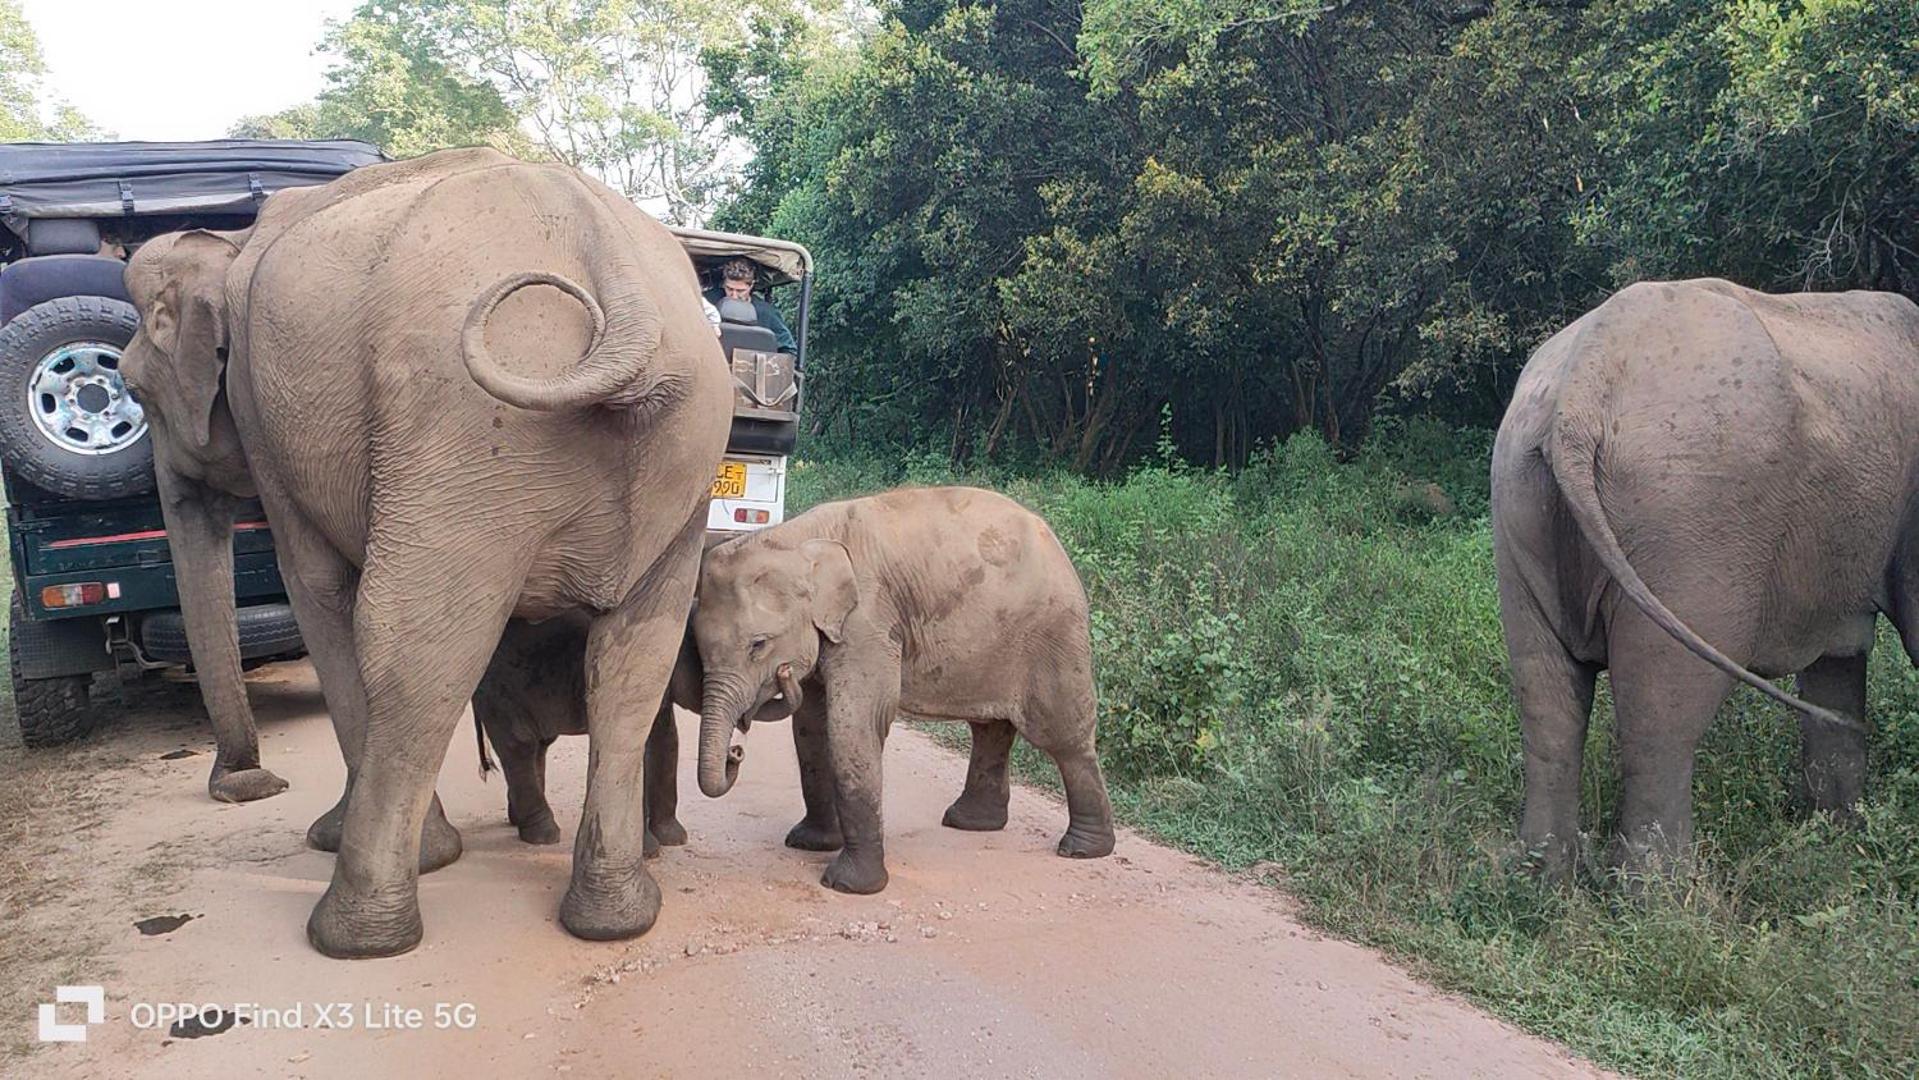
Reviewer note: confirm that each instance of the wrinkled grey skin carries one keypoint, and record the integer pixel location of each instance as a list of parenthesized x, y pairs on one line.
[(469, 389), (534, 692), (939, 603), (1695, 483)]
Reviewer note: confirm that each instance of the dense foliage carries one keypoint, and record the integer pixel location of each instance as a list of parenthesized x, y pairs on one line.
[(1042, 224), (1301, 673)]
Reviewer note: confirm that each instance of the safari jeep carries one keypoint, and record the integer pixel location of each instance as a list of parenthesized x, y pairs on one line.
[(92, 577)]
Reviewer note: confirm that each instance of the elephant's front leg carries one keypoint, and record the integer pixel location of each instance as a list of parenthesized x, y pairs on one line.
[(629, 657), (199, 524), (819, 830), (861, 700)]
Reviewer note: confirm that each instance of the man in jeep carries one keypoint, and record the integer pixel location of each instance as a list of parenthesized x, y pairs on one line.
[(736, 283)]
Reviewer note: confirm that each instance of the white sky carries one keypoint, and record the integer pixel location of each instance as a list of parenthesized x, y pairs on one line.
[(180, 69)]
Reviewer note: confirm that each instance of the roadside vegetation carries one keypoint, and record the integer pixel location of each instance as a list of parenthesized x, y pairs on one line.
[(1301, 672), (1232, 293)]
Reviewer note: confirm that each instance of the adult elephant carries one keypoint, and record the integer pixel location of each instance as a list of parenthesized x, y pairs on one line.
[(468, 389), (1697, 484)]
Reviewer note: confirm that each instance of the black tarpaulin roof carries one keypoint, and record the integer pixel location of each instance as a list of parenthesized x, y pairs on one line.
[(50, 180)]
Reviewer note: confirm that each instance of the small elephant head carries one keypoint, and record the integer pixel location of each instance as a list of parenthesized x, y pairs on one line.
[(176, 363), (766, 610)]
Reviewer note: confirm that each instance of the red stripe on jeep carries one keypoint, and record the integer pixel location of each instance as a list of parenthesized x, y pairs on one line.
[(126, 538)]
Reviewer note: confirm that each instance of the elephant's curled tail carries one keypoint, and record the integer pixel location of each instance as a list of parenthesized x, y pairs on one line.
[(1573, 454), (626, 336)]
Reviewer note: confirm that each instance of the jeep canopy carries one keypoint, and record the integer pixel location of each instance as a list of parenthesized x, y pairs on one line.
[(95, 180), (785, 262)]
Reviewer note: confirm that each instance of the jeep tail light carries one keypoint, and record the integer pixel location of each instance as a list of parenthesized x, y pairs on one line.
[(746, 516), (78, 594)]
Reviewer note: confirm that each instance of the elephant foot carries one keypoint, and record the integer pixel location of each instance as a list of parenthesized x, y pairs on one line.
[(1548, 860), (324, 833), (812, 836), (862, 877), (1645, 859), (244, 785), (976, 815), (668, 832), (440, 843), (385, 922), (541, 831), (1087, 844), (607, 903)]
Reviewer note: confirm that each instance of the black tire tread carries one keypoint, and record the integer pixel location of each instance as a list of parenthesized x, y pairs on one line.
[(50, 712), (264, 630), (16, 427)]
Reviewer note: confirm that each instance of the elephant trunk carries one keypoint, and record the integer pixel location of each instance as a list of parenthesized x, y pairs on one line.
[(722, 701), (626, 337)]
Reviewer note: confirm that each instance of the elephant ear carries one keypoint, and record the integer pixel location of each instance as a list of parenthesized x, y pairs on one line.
[(835, 594), (179, 284)]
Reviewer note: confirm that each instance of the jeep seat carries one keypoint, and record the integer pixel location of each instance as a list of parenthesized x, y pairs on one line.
[(743, 336), (49, 277), (63, 236)]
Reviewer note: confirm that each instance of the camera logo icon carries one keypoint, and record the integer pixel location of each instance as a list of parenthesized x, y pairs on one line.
[(52, 1030)]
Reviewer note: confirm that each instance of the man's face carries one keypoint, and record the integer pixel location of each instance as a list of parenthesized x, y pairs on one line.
[(738, 290)]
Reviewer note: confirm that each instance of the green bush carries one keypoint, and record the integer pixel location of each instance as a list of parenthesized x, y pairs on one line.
[(1302, 663)]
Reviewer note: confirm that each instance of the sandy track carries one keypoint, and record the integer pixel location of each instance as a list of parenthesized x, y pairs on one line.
[(986, 956)]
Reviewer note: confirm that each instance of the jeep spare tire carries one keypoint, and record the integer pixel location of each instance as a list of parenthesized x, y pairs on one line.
[(67, 421)]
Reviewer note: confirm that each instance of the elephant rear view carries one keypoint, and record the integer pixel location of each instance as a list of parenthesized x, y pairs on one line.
[(1697, 484), (468, 389)]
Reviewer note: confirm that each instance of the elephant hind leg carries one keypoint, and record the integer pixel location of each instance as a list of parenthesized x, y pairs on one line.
[(663, 826), (526, 805), (1554, 693), (1062, 727), (1059, 716), (1832, 759), (981, 807), (426, 624), (1665, 698), (630, 653)]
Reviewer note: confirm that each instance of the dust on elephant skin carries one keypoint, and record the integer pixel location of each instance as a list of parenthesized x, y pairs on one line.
[(1697, 484), (468, 389), (937, 603)]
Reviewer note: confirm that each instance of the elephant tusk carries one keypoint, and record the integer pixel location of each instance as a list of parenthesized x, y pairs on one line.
[(789, 687)]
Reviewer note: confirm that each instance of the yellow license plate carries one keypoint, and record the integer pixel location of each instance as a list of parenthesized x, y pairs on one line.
[(731, 482)]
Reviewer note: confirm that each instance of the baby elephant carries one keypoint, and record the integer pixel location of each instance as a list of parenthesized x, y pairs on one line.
[(535, 691), (939, 603)]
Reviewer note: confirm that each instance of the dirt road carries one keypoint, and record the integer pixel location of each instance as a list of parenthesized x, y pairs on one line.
[(986, 956)]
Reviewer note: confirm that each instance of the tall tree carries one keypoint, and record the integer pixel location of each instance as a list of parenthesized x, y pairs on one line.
[(613, 86), (26, 113)]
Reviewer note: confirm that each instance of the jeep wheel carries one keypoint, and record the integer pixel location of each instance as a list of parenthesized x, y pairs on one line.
[(50, 711), (68, 424)]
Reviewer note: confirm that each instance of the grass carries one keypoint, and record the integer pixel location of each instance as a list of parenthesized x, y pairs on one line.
[(1302, 665)]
